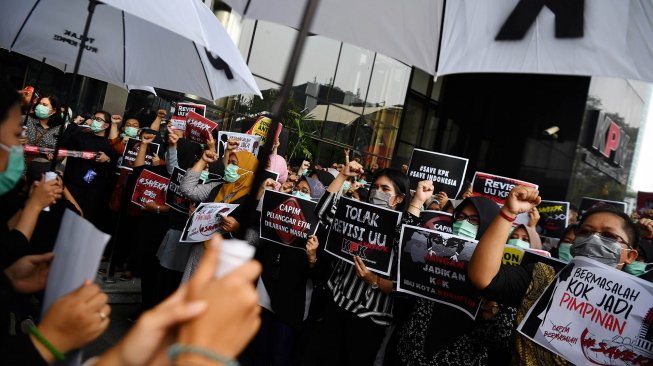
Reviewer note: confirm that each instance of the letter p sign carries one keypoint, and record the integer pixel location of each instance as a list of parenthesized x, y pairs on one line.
[(611, 139)]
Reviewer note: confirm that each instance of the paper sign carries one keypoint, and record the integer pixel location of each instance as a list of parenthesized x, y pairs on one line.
[(261, 128), (198, 128), (247, 142), (591, 203), (554, 218), (287, 220), (364, 230), (178, 120), (437, 221), (592, 314), (205, 221), (433, 265), (495, 187), (131, 151), (446, 171), (150, 187)]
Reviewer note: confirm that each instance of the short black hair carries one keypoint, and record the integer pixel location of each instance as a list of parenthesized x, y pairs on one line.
[(106, 115), (55, 120), (401, 183), (9, 97), (628, 225)]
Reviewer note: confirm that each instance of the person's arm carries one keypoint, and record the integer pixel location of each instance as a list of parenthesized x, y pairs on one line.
[(160, 115), (172, 160), (43, 195), (114, 131), (352, 169), (69, 196), (142, 151), (423, 192), (190, 186), (486, 260)]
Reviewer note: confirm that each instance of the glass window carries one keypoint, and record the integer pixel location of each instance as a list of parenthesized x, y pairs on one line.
[(430, 129), (420, 82), (339, 124), (411, 129), (271, 50), (353, 76), (389, 82)]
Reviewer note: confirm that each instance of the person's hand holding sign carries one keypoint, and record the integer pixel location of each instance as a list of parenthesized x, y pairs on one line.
[(372, 279), (172, 138), (311, 250), (229, 224)]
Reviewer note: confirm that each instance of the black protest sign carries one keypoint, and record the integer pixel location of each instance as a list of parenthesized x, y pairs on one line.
[(446, 171), (175, 199), (553, 218), (437, 220), (594, 314), (131, 151), (495, 187), (591, 203), (433, 265), (268, 174), (287, 220), (364, 230)]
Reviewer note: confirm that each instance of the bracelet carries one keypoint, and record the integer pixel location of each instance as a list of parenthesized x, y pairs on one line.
[(177, 349), (508, 218), (55, 352), (158, 209), (413, 206)]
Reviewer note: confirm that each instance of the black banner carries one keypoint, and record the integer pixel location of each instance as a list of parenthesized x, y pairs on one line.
[(287, 220), (364, 230), (174, 198), (553, 218), (131, 151), (591, 203), (434, 265), (446, 171), (437, 221), (495, 187)]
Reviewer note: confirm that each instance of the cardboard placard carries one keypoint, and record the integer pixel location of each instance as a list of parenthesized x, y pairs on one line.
[(198, 128), (446, 171), (592, 314), (262, 127), (495, 187), (205, 221), (287, 220), (644, 202), (150, 187), (131, 151), (178, 120), (364, 230), (437, 221), (249, 143), (554, 218), (433, 265), (588, 203)]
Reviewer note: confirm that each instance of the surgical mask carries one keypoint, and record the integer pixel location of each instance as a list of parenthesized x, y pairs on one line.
[(380, 198), (345, 186), (519, 243), (231, 173), (636, 268), (15, 168), (597, 248), (41, 111), (564, 251), (302, 195), (204, 175), (131, 132), (465, 228), (97, 126)]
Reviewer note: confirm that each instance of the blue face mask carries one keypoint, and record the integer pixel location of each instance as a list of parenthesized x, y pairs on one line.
[(231, 173), (302, 195), (519, 243), (465, 228), (41, 111), (636, 268), (15, 168), (564, 251)]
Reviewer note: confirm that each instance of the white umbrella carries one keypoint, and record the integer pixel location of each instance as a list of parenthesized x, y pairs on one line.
[(173, 44)]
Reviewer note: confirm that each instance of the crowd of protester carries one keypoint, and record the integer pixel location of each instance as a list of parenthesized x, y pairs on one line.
[(286, 307)]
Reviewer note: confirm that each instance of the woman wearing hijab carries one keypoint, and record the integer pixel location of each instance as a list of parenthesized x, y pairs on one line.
[(437, 334), (238, 179)]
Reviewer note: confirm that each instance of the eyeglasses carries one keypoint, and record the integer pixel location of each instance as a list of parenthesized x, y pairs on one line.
[(605, 235), (98, 119), (472, 219)]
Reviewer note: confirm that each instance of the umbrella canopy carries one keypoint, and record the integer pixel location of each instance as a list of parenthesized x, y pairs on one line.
[(172, 44), (408, 31)]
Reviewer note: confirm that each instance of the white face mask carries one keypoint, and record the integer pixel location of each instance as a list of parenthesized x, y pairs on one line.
[(380, 198)]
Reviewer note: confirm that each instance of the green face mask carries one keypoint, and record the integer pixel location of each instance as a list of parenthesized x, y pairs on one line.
[(564, 251), (231, 173), (302, 195), (636, 268), (97, 126), (15, 168), (41, 111), (204, 175), (465, 228), (131, 132), (519, 243), (346, 186)]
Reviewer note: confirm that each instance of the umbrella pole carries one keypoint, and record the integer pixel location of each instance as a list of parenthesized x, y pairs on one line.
[(280, 103), (80, 52)]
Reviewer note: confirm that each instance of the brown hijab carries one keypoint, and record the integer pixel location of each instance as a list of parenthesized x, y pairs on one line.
[(230, 192)]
